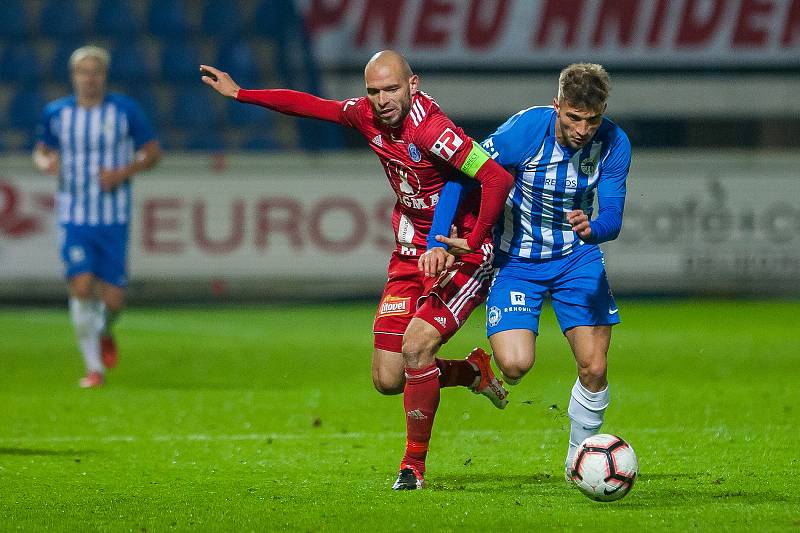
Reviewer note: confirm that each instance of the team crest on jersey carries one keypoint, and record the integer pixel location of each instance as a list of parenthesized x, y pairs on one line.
[(394, 305), (447, 144), (493, 315), (588, 166), (413, 153)]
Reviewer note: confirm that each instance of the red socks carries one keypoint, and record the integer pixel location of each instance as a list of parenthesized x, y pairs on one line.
[(456, 373), (420, 399)]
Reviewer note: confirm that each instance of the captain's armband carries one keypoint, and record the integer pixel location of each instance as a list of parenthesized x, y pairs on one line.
[(475, 160)]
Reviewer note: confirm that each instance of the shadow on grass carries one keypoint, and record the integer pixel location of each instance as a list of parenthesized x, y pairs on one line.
[(480, 481), (33, 451)]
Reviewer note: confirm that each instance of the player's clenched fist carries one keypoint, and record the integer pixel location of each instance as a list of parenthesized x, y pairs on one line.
[(220, 81), (580, 224)]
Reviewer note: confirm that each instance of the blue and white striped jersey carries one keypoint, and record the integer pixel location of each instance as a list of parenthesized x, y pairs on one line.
[(105, 136), (551, 180)]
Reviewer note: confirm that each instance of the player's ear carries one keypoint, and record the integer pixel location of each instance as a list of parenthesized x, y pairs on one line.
[(555, 104), (413, 84)]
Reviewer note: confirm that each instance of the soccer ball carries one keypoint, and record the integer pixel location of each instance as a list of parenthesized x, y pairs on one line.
[(604, 467)]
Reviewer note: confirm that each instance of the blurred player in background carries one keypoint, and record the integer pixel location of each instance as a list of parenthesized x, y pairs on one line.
[(95, 143), (419, 148), (546, 243)]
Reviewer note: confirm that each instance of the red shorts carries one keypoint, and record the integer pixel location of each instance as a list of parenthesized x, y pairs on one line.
[(455, 293)]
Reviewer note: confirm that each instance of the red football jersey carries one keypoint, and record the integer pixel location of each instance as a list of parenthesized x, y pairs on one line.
[(418, 156)]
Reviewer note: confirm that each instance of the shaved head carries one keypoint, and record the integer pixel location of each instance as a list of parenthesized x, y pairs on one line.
[(390, 86), (392, 60)]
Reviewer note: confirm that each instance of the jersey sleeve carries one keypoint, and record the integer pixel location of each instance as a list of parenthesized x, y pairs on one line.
[(140, 127), (442, 140), (300, 104), (512, 140), (445, 212), (44, 129), (611, 190)]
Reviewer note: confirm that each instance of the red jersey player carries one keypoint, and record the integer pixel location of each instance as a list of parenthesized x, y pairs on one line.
[(420, 149)]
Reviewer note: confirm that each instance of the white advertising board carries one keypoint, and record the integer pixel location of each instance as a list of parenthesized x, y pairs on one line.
[(694, 223)]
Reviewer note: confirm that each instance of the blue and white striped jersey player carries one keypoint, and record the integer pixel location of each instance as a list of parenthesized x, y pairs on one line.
[(561, 156), (94, 142)]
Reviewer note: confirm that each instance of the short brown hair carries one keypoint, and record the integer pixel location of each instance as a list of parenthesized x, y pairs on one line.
[(584, 85)]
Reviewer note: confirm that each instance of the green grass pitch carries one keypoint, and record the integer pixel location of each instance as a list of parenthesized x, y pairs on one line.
[(264, 418)]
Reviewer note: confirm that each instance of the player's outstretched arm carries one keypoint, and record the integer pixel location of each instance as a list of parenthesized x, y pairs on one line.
[(219, 81)]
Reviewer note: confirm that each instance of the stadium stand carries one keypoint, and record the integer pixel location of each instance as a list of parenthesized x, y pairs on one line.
[(155, 48)]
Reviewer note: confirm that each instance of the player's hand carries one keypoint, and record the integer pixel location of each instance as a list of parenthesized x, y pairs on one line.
[(456, 246), (46, 161), (580, 224), (110, 178), (219, 81), (435, 261)]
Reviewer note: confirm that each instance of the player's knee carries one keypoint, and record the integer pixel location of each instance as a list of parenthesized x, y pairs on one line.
[(386, 385), (418, 350), (593, 375), (514, 365)]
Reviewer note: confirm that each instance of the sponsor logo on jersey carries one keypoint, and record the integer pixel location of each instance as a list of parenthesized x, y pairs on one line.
[(377, 140), (394, 305), (413, 153), (517, 298), (588, 166), (447, 144), (493, 316)]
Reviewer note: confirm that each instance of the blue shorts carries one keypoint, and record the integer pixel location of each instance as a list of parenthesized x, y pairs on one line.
[(100, 250), (577, 285)]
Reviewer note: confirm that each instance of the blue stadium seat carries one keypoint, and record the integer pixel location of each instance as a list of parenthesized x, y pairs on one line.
[(207, 140), (129, 62), (270, 17), (13, 20), (221, 19), (19, 63), (115, 18), (59, 66), (167, 18), (193, 107), (25, 108), (238, 58), (144, 95), (61, 19), (261, 142), (180, 61), (239, 114)]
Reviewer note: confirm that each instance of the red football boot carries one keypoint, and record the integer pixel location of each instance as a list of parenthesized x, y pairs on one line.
[(108, 351), (489, 385), (92, 380)]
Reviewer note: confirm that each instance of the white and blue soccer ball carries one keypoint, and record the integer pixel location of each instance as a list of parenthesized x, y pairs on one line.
[(604, 467)]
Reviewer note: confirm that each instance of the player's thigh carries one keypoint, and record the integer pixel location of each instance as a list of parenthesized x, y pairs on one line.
[(450, 298), (77, 253), (581, 295), (111, 265), (388, 375), (590, 346), (397, 305), (514, 350)]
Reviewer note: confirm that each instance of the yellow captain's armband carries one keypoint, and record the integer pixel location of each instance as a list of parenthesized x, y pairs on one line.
[(475, 160)]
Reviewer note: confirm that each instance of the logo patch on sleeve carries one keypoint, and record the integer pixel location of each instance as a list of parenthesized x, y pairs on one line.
[(394, 305), (447, 144)]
